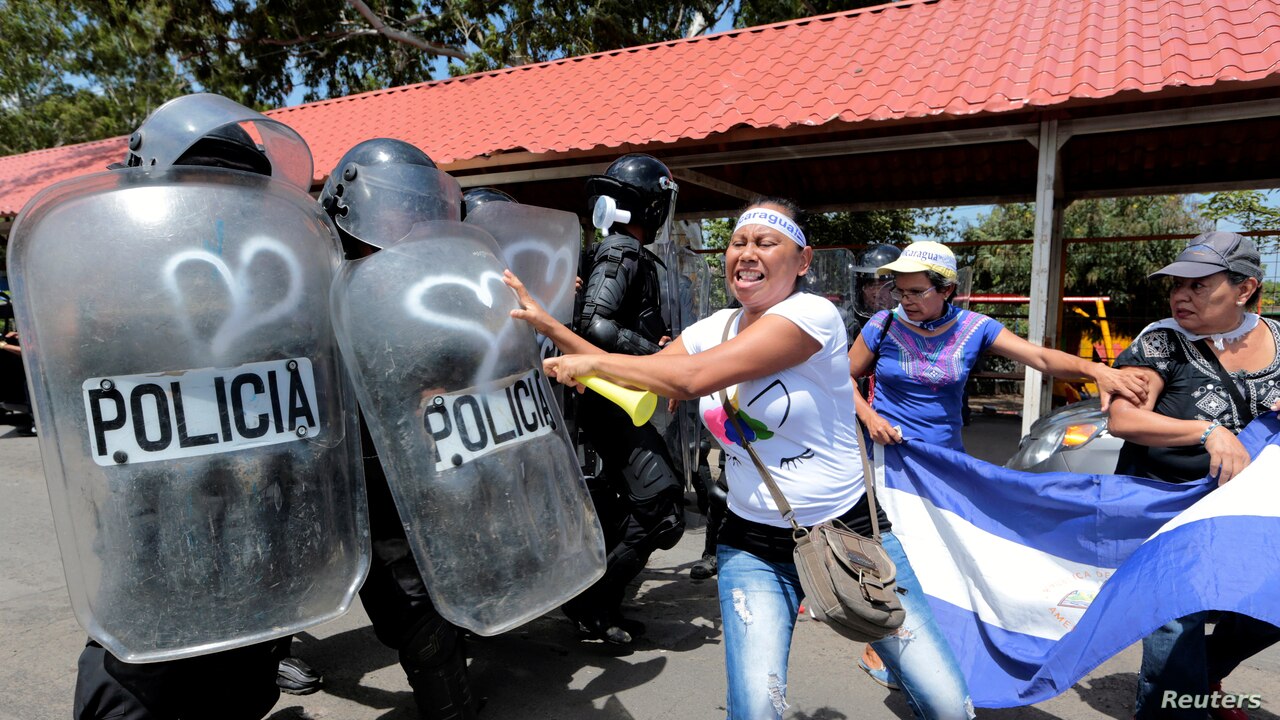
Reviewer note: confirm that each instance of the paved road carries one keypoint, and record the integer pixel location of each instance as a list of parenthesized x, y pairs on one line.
[(541, 671)]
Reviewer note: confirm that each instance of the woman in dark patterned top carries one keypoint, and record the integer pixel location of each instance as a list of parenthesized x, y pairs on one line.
[(1187, 429)]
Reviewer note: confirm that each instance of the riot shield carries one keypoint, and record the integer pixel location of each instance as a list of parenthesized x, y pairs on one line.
[(541, 246), (696, 303), (196, 426), (831, 276), (476, 455), (964, 288)]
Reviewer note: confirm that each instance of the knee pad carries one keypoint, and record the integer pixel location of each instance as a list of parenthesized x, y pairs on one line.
[(430, 642), (648, 473), (436, 667), (717, 492), (661, 520)]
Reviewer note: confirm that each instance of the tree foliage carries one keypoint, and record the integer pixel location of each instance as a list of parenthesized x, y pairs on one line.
[(1247, 208), (897, 227), (65, 78), (763, 12), (1115, 269)]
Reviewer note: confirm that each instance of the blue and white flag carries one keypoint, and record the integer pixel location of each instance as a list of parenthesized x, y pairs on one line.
[(1036, 579)]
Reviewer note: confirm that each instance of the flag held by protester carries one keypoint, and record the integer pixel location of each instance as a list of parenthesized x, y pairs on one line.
[(1036, 579)]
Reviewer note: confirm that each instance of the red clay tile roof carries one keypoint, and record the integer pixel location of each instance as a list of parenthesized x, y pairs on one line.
[(906, 60)]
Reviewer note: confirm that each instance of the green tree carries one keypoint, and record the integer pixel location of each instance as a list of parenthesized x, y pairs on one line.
[(1249, 209), (763, 12), (897, 227), (69, 75), (529, 31), (1116, 269)]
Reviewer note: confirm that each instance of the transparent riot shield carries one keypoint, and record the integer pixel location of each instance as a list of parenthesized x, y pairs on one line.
[(964, 288), (541, 246), (476, 455), (696, 279), (831, 276), (196, 427), (676, 297)]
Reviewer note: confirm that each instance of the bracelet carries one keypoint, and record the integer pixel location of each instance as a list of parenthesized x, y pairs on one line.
[(1207, 431)]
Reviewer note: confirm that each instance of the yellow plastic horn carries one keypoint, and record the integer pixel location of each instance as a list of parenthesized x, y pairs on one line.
[(639, 404)]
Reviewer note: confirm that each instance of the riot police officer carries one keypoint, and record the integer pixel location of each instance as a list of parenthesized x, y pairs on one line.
[(475, 198), (871, 292), (187, 512), (369, 216), (638, 495)]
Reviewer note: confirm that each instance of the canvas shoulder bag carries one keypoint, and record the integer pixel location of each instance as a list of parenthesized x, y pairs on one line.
[(848, 580)]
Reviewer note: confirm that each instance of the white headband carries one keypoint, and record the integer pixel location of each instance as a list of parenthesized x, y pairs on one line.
[(773, 219)]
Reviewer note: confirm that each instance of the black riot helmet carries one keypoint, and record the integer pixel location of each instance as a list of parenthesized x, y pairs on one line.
[(226, 147), (212, 131), (871, 294), (638, 185), (474, 198), (382, 187)]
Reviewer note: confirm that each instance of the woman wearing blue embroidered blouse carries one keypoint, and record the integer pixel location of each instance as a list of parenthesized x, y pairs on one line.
[(922, 363), (781, 362), (933, 345)]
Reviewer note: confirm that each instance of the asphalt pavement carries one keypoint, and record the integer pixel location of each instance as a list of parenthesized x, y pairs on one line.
[(541, 671)]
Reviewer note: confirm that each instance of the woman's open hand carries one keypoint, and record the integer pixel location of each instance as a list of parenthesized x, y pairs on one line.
[(530, 310), (1227, 457), (1131, 386)]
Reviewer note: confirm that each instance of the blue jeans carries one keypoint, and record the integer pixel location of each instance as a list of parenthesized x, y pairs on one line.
[(1178, 658), (758, 605)]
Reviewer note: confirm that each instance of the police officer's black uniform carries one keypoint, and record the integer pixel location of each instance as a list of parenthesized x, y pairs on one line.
[(394, 594), (238, 683), (638, 496)]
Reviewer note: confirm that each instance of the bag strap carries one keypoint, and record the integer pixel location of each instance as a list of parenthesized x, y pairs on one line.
[(868, 480), (779, 499), (1243, 408)]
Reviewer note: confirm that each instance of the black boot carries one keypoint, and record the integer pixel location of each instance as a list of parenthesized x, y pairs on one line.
[(704, 568), (297, 678)]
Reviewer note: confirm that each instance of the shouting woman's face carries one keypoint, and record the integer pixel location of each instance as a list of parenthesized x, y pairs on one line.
[(762, 265)]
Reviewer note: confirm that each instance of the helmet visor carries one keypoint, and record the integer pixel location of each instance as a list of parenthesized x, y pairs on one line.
[(381, 203), (176, 125)]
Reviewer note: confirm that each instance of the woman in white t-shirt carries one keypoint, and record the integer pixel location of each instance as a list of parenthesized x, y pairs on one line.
[(785, 372)]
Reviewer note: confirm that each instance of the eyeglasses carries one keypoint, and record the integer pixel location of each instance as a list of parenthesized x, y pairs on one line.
[(912, 295)]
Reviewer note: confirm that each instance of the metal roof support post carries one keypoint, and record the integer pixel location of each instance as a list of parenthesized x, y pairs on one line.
[(1046, 260)]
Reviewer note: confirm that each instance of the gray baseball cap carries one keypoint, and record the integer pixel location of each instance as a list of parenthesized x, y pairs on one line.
[(1215, 252)]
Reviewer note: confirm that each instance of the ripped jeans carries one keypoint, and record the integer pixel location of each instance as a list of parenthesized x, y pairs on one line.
[(759, 601)]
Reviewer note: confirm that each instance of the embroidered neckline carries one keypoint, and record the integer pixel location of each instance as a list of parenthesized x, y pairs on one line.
[(947, 316), (934, 360)]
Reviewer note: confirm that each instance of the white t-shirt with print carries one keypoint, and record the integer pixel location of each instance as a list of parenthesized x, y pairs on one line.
[(802, 418)]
